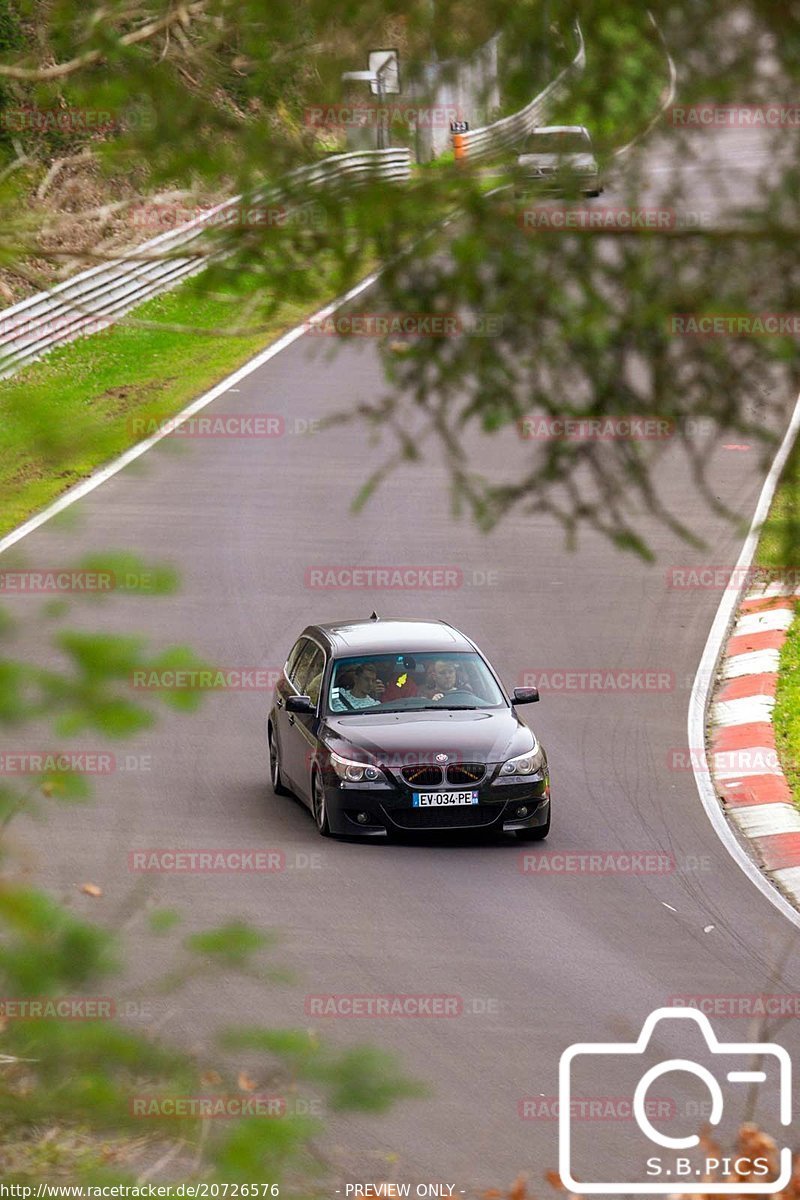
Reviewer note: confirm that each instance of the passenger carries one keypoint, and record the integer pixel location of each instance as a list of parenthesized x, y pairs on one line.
[(365, 690), (313, 686), (398, 679)]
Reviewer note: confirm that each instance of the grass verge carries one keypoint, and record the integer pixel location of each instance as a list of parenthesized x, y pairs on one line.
[(779, 550), (64, 417)]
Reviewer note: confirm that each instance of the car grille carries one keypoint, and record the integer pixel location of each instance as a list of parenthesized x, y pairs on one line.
[(465, 773), (422, 776), (470, 815)]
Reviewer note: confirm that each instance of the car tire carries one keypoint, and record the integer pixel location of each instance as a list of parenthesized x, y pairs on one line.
[(275, 776), (319, 808), (537, 834)]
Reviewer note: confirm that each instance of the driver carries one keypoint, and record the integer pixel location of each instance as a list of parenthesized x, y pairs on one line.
[(442, 678)]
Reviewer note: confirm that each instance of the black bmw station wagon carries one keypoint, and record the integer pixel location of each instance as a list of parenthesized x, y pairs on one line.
[(390, 726)]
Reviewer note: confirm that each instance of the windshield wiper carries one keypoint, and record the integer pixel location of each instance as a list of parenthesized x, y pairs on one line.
[(445, 708)]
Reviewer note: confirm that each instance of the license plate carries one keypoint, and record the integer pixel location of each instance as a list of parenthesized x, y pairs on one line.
[(443, 799)]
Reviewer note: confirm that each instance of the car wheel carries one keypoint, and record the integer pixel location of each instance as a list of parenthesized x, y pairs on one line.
[(537, 834), (318, 806), (276, 778)]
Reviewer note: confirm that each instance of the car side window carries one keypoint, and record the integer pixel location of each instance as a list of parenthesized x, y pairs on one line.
[(294, 656), (309, 665), (314, 682)]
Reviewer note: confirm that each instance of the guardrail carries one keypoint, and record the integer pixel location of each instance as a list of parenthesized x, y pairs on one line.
[(481, 143), (96, 298)]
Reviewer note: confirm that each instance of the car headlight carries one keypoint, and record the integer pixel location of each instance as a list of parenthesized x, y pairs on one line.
[(355, 772), (524, 764)]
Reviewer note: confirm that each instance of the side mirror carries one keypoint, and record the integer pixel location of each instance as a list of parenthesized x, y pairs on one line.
[(300, 704), (526, 695)]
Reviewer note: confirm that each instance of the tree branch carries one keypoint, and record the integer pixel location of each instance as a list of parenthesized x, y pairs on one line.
[(181, 16)]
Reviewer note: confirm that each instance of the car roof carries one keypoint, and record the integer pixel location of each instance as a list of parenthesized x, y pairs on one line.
[(394, 636), (561, 129)]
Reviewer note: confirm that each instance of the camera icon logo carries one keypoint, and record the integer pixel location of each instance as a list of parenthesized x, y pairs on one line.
[(670, 1172)]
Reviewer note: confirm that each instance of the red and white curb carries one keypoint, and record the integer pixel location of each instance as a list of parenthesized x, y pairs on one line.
[(743, 756)]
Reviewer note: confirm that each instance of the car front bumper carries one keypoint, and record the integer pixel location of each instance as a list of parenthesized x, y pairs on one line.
[(555, 185), (363, 810)]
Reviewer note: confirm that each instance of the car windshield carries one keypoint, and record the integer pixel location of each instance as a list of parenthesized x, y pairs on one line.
[(558, 143), (410, 682)]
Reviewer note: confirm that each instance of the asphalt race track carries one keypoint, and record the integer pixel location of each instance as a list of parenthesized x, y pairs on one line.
[(538, 960)]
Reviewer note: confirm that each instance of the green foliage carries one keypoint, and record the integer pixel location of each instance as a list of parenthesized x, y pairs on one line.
[(625, 79), (779, 543), (48, 947), (230, 945), (786, 716), (10, 40), (71, 1065), (779, 554), (128, 577), (10, 30), (229, 97), (363, 1079), (162, 920)]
